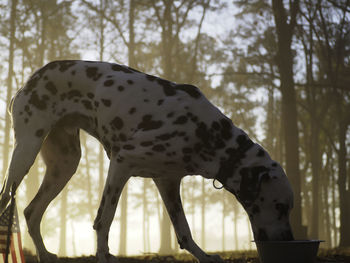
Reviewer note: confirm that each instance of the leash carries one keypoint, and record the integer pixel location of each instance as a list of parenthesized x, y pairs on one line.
[(9, 228)]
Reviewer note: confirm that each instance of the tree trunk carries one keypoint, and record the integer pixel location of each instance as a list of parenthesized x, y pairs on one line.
[(43, 37), (289, 108), (193, 208), (235, 224), (124, 197), (32, 186), (89, 186), (145, 214), (223, 221), (165, 236), (315, 167), (327, 211), (101, 149), (203, 215), (167, 46), (10, 73), (344, 193), (62, 251), (250, 234), (334, 208), (271, 124)]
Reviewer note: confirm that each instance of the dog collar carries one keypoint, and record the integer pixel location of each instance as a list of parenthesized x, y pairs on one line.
[(232, 162)]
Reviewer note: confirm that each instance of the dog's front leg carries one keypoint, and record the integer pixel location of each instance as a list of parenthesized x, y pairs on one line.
[(169, 190), (116, 179)]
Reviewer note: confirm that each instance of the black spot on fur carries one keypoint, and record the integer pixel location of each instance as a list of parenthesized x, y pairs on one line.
[(115, 149), (282, 209), (51, 87), (250, 184), (150, 77), (146, 143), (122, 137), (180, 120), (65, 65), (31, 84), (116, 67), (106, 102), (130, 82), (215, 125), (261, 153), (241, 139), (187, 150), (274, 164), (132, 110), (226, 129), (128, 147), (165, 136), (92, 73), (39, 103), (39, 133), (170, 115), (117, 123), (160, 102), (168, 87), (189, 89), (90, 95), (108, 83), (149, 124), (87, 104), (158, 148), (121, 88), (74, 93)]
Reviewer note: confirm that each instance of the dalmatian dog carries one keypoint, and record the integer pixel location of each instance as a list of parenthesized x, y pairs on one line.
[(149, 127)]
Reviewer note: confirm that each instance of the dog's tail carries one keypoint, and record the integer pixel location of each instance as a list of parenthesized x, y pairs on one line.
[(9, 109)]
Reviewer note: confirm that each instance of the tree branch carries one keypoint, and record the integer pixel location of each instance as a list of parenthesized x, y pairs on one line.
[(108, 18)]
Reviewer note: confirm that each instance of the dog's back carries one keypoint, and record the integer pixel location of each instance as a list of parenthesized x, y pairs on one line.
[(126, 110)]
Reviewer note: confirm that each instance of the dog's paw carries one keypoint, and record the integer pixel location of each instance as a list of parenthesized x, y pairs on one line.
[(212, 259), (106, 258)]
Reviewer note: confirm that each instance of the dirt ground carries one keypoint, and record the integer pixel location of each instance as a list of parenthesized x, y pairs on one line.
[(171, 259)]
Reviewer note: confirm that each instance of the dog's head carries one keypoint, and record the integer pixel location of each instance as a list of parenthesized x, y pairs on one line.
[(266, 195)]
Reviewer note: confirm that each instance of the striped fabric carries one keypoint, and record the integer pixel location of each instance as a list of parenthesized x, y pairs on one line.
[(16, 252)]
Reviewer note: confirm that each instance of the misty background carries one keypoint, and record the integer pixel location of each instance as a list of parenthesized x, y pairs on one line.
[(279, 69)]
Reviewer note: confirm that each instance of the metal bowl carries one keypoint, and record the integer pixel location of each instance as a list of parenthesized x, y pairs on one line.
[(296, 251)]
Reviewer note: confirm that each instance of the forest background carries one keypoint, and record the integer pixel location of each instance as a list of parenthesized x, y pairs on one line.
[(279, 69)]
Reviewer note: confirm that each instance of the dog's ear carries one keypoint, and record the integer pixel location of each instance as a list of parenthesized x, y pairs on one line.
[(251, 179)]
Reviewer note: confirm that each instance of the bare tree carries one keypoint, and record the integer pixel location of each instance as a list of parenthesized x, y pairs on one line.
[(285, 33)]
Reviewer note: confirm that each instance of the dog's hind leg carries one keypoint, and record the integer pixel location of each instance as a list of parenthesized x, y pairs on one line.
[(169, 190), (26, 149), (61, 153)]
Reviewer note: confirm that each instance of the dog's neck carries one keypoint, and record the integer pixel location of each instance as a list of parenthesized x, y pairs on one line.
[(229, 156), (235, 158)]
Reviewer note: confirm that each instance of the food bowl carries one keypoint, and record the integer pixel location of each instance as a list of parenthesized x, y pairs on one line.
[(296, 251)]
